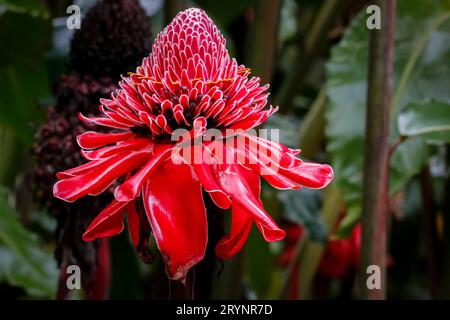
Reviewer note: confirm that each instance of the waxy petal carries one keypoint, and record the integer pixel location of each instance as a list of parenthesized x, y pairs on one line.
[(241, 224), (100, 177), (207, 174), (131, 188), (176, 212), (310, 175), (136, 144), (108, 223), (133, 223), (244, 187), (92, 140)]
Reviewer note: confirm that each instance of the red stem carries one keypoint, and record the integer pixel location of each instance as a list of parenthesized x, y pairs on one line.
[(376, 155)]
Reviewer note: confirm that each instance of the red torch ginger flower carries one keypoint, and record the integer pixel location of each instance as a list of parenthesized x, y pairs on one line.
[(188, 82)]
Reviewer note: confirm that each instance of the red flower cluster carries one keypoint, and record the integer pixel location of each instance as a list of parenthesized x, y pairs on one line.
[(340, 259), (188, 82), (341, 255)]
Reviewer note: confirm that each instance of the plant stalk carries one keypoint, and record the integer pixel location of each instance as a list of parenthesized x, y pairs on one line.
[(376, 154), (312, 251), (262, 38), (312, 127), (310, 49)]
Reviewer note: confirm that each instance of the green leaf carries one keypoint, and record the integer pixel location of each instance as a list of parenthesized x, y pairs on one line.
[(26, 29), (125, 279), (427, 119), (257, 250), (421, 60), (349, 221), (406, 162), (287, 126), (21, 88), (303, 207), (32, 7), (23, 261), (27, 36)]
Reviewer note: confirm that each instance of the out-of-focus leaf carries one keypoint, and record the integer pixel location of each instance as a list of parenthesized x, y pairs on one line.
[(257, 250), (24, 38), (346, 90), (427, 119), (225, 12), (11, 151), (125, 278), (21, 88), (303, 207), (32, 7), (284, 128), (23, 262), (25, 30), (406, 162), (349, 221), (288, 22)]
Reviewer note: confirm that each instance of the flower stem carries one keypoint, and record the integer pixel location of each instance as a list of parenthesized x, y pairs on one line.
[(312, 251), (294, 80), (262, 38), (288, 274), (312, 127), (376, 155)]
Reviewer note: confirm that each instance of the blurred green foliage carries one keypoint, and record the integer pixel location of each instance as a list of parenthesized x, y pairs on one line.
[(426, 119), (25, 27), (24, 262), (420, 72)]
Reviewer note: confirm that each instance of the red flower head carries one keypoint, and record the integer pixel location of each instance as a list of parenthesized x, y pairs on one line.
[(162, 115)]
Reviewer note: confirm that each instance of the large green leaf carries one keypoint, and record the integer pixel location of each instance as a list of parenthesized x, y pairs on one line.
[(23, 261), (427, 119), (407, 161), (422, 52)]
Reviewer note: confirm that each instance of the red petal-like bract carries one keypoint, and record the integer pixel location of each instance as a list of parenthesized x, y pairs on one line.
[(177, 216), (188, 82)]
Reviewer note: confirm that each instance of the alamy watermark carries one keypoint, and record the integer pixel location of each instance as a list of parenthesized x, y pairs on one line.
[(252, 147), (73, 281), (373, 281), (374, 19), (74, 20)]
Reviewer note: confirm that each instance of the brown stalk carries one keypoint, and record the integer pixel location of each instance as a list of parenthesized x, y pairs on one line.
[(376, 155)]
